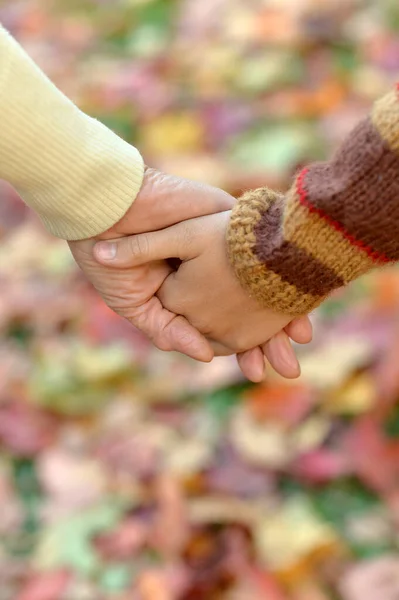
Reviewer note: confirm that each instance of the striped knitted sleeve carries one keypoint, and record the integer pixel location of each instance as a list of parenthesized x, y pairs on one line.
[(339, 220)]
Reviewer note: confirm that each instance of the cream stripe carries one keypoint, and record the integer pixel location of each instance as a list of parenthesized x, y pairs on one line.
[(385, 117)]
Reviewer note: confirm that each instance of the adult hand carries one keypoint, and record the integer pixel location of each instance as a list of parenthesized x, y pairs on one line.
[(162, 201), (165, 200)]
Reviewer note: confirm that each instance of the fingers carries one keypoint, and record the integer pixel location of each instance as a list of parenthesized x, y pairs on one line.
[(281, 356), (300, 330), (252, 364), (165, 200), (278, 351), (135, 250), (170, 332), (187, 199)]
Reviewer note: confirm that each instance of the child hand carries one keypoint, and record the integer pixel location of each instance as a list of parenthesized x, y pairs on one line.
[(206, 292)]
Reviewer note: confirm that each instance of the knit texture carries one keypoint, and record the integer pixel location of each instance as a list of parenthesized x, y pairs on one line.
[(75, 173), (339, 220)]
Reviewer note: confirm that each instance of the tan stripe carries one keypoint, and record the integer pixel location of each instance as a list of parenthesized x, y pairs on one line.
[(261, 283), (278, 295), (359, 189), (385, 117), (294, 265), (312, 233)]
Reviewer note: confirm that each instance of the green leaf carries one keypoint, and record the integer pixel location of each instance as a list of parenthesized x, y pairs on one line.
[(67, 543), (346, 59), (391, 14), (268, 71), (342, 499), (391, 426), (347, 500), (158, 13), (222, 401), (20, 332), (83, 380), (276, 149), (122, 122), (28, 489), (116, 578)]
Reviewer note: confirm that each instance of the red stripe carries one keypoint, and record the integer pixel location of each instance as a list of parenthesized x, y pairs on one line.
[(375, 256)]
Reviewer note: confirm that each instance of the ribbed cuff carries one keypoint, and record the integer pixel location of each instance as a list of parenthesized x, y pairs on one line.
[(269, 268), (108, 175)]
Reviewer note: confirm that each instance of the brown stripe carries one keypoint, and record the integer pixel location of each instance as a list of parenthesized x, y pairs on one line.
[(260, 282), (293, 264), (359, 188), (315, 236), (271, 291)]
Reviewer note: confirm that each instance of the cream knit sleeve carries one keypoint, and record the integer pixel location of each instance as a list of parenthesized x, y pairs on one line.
[(73, 171)]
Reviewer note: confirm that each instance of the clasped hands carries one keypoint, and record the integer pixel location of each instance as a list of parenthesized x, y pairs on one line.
[(198, 308)]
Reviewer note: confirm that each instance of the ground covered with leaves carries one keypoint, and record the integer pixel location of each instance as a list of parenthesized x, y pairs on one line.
[(128, 474)]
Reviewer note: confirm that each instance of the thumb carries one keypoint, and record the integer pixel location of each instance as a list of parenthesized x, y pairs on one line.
[(135, 250)]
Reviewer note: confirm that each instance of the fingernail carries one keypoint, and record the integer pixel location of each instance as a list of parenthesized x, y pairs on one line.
[(106, 250), (289, 355)]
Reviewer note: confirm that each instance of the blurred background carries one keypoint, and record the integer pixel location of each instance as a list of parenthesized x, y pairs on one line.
[(128, 474)]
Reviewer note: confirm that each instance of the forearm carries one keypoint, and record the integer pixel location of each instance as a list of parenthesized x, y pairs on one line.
[(79, 176), (339, 220)]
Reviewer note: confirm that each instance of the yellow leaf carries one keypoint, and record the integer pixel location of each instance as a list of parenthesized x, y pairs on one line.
[(173, 133), (310, 434), (291, 534), (260, 443), (336, 361), (355, 397)]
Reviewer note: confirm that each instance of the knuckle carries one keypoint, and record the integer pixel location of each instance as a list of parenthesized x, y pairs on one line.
[(185, 338), (139, 319), (143, 245), (142, 320), (139, 246), (176, 336), (161, 340)]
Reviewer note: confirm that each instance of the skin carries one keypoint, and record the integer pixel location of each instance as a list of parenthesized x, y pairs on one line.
[(162, 201), (172, 307)]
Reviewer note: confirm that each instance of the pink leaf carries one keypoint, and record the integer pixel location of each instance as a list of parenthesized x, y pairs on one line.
[(48, 586)]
